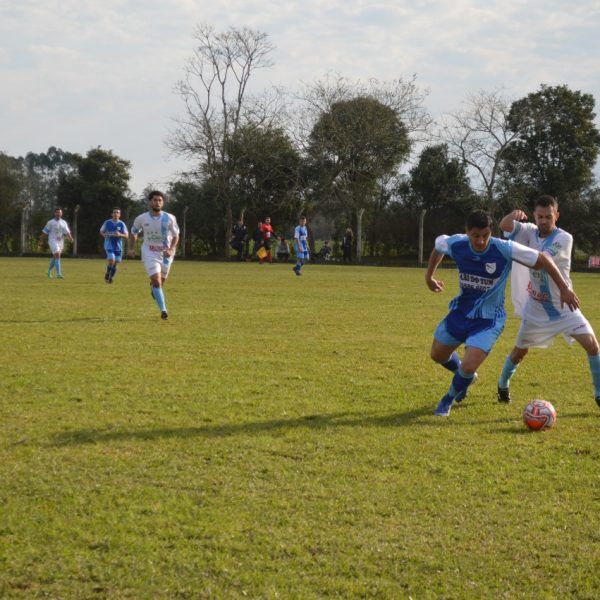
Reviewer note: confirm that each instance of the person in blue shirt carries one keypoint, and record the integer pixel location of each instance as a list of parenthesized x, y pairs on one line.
[(301, 245), (113, 231), (476, 315)]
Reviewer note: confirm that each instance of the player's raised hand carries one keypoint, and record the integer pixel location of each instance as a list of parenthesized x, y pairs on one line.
[(569, 297), (519, 215)]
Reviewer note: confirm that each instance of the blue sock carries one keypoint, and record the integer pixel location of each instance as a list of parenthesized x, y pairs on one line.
[(57, 266), (159, 296), (51, 266), (508, 370), (460, 383), (453, 363), (595, 369), (299, 265)]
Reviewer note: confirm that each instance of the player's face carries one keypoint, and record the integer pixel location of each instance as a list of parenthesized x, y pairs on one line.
[(302, 222), (479, 238), (156, 203), (116, 215), (545, 218), (58, 214)]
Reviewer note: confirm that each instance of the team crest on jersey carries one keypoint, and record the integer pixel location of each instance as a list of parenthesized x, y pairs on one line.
[(490, 267)]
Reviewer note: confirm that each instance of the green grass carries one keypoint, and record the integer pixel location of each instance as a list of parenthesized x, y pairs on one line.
[(275, 439)]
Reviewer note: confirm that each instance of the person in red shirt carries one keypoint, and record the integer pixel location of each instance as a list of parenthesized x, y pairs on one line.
[(267, 233)]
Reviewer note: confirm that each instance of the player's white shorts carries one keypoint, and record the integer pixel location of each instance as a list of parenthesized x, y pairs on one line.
[(534, 335), (55, 246), (156, 262)]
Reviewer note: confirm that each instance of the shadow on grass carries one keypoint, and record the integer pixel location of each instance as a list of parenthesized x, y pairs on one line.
[(322, 421)]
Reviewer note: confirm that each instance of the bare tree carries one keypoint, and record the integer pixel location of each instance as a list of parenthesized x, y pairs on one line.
[(479, 135), (218, 103)]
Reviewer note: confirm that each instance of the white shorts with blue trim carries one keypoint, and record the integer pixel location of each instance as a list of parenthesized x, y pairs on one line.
[(541, 335)]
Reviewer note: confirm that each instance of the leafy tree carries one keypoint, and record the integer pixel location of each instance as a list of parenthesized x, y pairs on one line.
[(352, 146), (11, 199), (558, 143), (100, 182), (266, 172)]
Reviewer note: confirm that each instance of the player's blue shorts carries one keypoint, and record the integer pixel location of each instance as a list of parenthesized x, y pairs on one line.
[(302, 255), (112, 255), (456, 329)]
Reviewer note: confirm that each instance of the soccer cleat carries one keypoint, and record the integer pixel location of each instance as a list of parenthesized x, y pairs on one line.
[(163, 315), (503, 395), (444, 407), (460, 397), (59, 276), (109, 280), (106, 277), (49, 274), (297, 271)]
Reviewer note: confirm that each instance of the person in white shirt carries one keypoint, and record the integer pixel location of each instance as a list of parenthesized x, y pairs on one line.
[(537, 299), (56, 230), (161, 236)]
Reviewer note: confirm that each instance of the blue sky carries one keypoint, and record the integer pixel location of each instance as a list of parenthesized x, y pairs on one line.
[(80, 74)]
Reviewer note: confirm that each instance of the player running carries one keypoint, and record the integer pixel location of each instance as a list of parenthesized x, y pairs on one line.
[(56, 229), (301, 245), (113, 231), (536, 299), (477, 316), (161, 236)]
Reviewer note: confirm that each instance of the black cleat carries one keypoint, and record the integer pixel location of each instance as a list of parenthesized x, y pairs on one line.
[(106, 277), (163, 315), (503, 395)]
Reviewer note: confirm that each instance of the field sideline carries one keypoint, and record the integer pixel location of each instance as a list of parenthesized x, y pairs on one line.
[(275, 439)]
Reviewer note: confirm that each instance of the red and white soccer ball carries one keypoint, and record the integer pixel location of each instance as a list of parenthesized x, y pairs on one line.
[(539, 414)]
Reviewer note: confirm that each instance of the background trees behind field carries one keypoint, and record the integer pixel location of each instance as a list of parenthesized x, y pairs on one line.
[(364, 154)]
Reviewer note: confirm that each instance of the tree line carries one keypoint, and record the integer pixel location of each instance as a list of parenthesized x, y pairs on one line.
[(361, 154)]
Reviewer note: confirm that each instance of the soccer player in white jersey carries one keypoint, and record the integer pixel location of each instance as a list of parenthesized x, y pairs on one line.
[(537, 300), (56, 230), (477, 316), (161, 236), (301, 244)]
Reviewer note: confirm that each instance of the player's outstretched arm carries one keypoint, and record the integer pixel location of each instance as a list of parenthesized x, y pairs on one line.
[(434, 260), (508, 222), (567, 295)]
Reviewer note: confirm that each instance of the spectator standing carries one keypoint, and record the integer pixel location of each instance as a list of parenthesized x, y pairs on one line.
[(238, 238), (347, 245), (283, 249)]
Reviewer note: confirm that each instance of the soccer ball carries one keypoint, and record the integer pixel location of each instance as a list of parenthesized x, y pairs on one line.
[(539, 414)]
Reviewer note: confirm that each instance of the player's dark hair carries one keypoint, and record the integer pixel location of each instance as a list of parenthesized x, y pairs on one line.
[(155, 193), (545, 201), (478, 219), (115, 208), (301, 217)]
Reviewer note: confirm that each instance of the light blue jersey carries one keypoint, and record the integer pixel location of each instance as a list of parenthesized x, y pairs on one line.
[(301, 241)]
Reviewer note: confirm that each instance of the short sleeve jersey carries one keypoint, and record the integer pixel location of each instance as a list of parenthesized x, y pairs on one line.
[(111, 242), (483, 275), (534, 295), (267, 231), (301, 237), (56, 229), (158, 231)]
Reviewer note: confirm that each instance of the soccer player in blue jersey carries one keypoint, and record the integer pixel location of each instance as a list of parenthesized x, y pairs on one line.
[(113, 231), (477, 316), (301, 245)]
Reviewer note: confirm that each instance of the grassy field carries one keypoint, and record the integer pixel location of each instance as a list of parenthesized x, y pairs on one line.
[(275, 439)]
